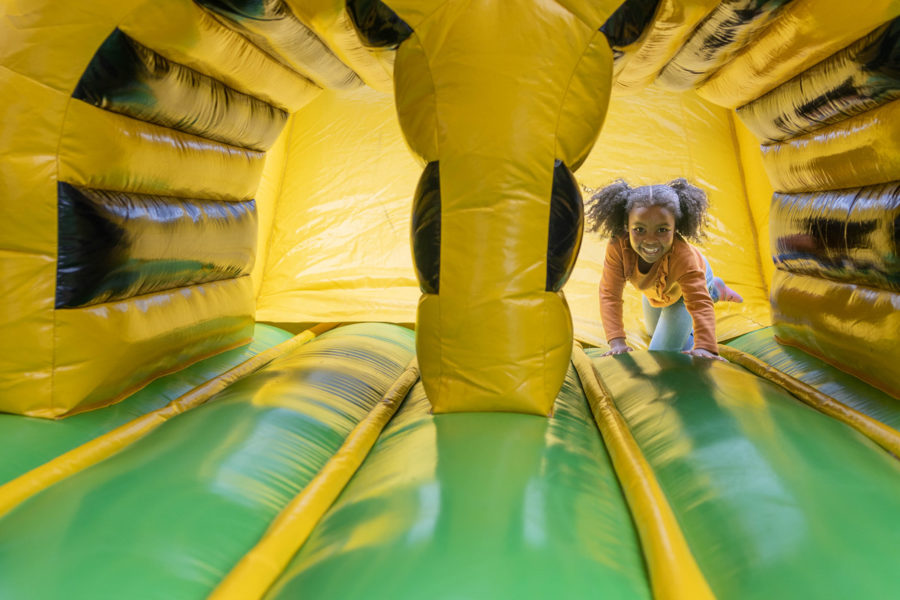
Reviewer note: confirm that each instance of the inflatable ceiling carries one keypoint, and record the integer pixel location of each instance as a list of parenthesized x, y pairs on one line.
[(297, 301)]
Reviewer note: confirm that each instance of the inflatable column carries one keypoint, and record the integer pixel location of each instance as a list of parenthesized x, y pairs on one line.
[(502, 100)]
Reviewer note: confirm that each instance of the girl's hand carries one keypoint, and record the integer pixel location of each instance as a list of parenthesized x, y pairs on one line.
[(700, 352), (617, 346)]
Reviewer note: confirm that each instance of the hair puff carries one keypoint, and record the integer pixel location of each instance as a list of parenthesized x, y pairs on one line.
[(694, 204), (605, 212)]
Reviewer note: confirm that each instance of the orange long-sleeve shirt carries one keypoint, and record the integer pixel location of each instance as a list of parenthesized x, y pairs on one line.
[(681, 272)]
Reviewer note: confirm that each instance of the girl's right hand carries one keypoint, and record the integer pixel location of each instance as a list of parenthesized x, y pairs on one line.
[(617, 346)]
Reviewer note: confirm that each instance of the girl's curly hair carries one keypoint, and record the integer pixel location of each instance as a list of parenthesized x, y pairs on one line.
[(607, 210)]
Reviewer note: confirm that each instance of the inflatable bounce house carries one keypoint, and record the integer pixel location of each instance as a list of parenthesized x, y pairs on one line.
[(297, 300)]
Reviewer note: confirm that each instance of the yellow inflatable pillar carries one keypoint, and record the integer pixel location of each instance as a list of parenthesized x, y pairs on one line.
[(501, 98)]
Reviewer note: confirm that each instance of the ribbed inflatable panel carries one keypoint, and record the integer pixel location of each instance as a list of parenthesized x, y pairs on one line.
[(212, 478), (850, 326), (477, 506), (671, 26), (271, 25), (760, 484), (217, 51), (845, 235), (829, 380), (859, 78), (131, 79), (114, 245), (860, 151), (725, 32), (806, 33)]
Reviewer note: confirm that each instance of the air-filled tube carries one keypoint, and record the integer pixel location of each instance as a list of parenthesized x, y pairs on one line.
[(491, 335)]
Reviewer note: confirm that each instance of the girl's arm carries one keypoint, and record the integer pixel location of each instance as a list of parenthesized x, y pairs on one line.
[(700, 307), (612, 284)]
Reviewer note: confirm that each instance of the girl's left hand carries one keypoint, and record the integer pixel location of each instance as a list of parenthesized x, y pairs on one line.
[(700, 352)]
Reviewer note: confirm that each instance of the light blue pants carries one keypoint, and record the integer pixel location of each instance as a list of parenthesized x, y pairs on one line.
[(671, 327)]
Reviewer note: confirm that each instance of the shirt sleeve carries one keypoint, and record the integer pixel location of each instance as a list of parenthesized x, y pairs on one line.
[(698, 302), (612, 284)]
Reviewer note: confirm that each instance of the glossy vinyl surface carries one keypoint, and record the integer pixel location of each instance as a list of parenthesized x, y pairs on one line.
[(725, 32), (114, 245), (477, 506), (129, 78), (671, 25), (776, 500), (332, 22), (850, 326), (271, 25), (847, 235), (104, 150), (39, 440), (164, 331), (860, 77), (189, 35), (859, 151), (377, 24), (170, 514), (806, 33), (829, 380)]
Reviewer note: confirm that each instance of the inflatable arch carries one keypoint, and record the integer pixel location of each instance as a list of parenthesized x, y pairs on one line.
[(224, 373)]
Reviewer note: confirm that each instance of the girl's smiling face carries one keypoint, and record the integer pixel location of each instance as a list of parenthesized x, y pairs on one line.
[(651, 231)]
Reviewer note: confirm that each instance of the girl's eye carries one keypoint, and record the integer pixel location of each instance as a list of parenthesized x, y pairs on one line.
[(638, 230)]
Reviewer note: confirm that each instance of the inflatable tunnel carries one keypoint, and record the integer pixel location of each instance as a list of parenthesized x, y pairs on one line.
[(297, 300)]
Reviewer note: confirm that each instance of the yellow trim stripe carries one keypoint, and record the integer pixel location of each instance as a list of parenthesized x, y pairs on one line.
[(257, 571), (883, 435), (674, 573), (77, 459)]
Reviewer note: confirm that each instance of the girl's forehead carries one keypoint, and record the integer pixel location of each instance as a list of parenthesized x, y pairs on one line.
[(655, 212)]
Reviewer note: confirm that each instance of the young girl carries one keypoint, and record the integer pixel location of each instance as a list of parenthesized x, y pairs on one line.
[(649, 226)]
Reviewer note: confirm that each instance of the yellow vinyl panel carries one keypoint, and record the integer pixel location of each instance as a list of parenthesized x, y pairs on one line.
[(44, 47), (674, 21), (863, 150), (591, 12), (185, 33), (807, 32), (105, 150), (655, 136), (415, 97), (108, 351), (270, 185), (759, 195), (347, 164), (494, 338), (52, 42), (851, 327), (331, 22), (338, 249), (30, 113)]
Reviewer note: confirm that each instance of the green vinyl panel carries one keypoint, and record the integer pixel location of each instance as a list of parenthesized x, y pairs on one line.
[(841, 386), (776, 500), (169, 516), (32, 442), (476, 506)]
